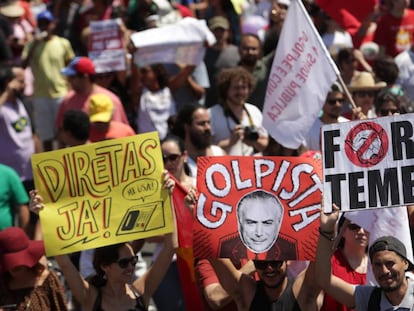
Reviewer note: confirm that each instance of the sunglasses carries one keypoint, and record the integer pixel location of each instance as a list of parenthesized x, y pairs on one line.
[(386, 112), (263, 264), (335, 100), (171, 157), (365, 93), (354, 227), (124, 262)]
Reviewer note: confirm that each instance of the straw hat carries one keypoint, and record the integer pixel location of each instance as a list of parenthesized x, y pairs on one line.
[(364, 81), (11, 9)]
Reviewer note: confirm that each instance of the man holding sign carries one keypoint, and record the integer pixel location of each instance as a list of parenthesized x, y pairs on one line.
[(389, 262)]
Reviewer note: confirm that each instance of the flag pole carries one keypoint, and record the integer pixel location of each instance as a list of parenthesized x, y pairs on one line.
[(328, 55), (347, 93)]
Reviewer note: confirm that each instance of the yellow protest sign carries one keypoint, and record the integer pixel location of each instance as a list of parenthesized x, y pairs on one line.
[(102, 193)]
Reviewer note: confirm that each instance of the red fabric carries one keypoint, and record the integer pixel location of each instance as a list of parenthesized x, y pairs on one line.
[(116, 130), (341, 269), (183, 217), (347, 13), (395, 34), (74, 100), (185, 263)]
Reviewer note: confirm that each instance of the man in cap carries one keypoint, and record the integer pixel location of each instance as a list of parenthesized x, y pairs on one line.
[(81, 74), (389, 262), (46, 55), (219, 56), (102, 125)]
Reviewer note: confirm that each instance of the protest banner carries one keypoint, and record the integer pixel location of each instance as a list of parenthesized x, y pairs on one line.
[(106, 45), (368, 164), (257, 207), (102, 193), (301, 75), (186, 46)]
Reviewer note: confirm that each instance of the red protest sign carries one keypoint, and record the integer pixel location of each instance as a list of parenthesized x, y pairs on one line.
[(257, 207)]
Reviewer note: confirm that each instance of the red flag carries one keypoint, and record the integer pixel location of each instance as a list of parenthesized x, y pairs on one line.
[(347, 13), (184, 218)]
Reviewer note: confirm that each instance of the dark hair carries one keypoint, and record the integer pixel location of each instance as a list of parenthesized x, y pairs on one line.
[(180, 143), (161, 74), (386, 70), (77, 123), (344, 54), (185, 116), (104, 256), (385, 96), (6, 75), (227, 75)]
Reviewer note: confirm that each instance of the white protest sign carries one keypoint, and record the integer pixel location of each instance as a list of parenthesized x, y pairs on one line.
[(369, 164), (180, 43), (106, 47)]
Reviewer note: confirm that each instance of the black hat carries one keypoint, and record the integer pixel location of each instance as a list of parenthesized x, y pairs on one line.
[(389, 243)]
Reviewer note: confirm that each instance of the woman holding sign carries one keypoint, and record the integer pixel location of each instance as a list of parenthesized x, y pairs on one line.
[(112, 287)]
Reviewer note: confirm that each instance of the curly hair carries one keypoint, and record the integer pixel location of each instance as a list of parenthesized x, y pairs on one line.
[(227, 75)]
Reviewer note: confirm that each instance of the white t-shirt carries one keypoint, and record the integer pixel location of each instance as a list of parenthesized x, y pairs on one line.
[(222, 127)]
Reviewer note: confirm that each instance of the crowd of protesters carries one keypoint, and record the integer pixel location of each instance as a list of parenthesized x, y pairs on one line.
[(53, 96)]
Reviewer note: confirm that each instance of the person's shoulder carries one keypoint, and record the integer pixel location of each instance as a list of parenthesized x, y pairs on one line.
[(217, 108), (101, 90)]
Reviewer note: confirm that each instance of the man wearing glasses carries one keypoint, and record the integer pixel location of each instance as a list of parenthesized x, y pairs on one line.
[(331, 113)]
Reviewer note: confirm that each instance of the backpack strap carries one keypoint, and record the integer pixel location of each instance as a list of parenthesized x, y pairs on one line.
[(375, 299)]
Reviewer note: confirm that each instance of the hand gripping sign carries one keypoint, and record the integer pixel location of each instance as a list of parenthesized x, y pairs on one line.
[(103, 193), (369, 164), (257, 207)]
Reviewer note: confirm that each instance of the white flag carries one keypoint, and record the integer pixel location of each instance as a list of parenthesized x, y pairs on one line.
[(381, 222), (301, 75)]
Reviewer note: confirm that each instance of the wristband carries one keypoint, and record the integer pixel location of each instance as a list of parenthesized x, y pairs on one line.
[(329, 235)]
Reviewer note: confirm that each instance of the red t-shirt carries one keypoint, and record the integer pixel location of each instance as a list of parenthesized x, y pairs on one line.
[(395, 34), (342, 269), (116, 130)]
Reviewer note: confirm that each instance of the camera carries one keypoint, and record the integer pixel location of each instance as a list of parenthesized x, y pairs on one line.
[(251, 133)]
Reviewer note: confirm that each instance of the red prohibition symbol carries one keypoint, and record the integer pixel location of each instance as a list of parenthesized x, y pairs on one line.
[(366, 144)]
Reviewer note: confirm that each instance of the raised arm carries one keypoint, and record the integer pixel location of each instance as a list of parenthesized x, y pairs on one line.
[(239, 285), (334, 286), (149, 282), (80, 288)]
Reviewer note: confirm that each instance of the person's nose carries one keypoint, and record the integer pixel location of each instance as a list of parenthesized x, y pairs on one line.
[(259, 230)]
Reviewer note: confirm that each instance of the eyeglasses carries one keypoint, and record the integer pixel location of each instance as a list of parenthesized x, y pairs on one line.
[(171, 157), (333, 101), (386, 112), (354, 227), (365, 93), (263, 264), (124, 262)]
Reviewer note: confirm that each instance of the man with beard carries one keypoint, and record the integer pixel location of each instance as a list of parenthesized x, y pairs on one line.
[(389, 262), (273, 291), (250, 50), (331, 113), (193, 125)]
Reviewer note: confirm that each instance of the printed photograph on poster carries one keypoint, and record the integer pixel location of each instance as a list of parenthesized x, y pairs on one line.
[(257, 207)]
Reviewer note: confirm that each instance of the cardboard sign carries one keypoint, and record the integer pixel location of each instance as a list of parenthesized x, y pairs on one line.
[(257, 207), (103, 193), (106, 46), (369, 164)]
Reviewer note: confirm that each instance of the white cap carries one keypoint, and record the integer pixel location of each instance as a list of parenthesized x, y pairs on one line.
[(285, 2)]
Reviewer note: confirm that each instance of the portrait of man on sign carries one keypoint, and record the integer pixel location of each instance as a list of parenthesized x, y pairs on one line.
[(259, 217)]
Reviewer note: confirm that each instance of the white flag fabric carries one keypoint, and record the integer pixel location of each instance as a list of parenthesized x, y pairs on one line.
[(381, 222), (301, 75)]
